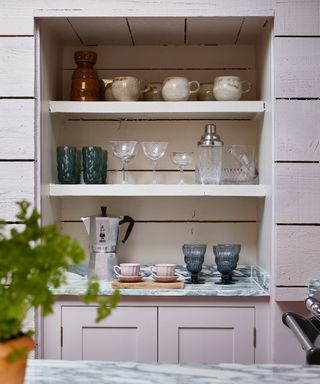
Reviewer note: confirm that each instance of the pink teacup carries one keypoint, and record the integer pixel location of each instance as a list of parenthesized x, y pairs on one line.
[(127, 269), (163, 269)]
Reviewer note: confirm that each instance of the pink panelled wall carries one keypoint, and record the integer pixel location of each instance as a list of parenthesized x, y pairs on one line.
[(297, 169)]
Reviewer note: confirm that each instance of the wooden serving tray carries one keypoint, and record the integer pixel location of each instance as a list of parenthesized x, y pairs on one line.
[(149, 284)]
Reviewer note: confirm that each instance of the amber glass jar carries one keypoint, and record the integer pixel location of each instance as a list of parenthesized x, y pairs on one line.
[(85, 81)]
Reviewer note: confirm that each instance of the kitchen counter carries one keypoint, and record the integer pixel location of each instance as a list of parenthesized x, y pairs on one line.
[(250, 281), (93, 372)]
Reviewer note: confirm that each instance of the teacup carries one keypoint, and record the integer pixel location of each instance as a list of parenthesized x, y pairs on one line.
[(127, 269), (107, 90), (205, 92), (229, 88), (163, 269), (153, 92), (178, 88), (126, 88)]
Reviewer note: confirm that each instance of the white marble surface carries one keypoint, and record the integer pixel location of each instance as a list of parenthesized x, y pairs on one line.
[(250, 281), (92, 372)]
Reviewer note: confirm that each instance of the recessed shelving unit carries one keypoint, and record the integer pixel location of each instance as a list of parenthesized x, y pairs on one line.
[(65, 190), (144, 110)]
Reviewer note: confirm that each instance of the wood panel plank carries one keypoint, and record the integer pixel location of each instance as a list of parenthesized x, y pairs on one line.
[(152, 242), (297, 67), (17, 183), (297, 193), (297, 130), (17, 66), (157, 57), (15, 22), (297, 18), (297, 254), (17, 129)]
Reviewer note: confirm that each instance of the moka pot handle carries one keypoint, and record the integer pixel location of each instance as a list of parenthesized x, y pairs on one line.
[(127, 219)]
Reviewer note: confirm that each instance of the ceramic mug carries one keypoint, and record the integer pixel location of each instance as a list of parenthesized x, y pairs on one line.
[(153, 92), (127, 269), (163, 269), (178, 88), (229, 88), (126, 88), (205, 92), (106, 92)]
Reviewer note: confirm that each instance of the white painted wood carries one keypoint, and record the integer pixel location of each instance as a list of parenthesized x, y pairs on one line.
[(253, 30), (17, 66), (63, 190), (17, 129), (60, 29), (297, 130), (286, 294), (157, 109), (193, 335), (15, 22), (297, 67), (129, 334), (167, 57), (17, 183), (162, 208), (161, 31), (298, 254), (213, 30), (297, 193), (161, 242), (297, 18), (111, 30), (152, 8)]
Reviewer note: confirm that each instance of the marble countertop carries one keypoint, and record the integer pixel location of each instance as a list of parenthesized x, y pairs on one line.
[(102, 372), (250, 281)]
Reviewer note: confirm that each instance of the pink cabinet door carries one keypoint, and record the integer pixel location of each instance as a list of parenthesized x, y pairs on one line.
[(129, 334), (206, 335)]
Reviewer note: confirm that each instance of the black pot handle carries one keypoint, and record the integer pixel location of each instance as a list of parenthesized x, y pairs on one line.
[(127, 219)]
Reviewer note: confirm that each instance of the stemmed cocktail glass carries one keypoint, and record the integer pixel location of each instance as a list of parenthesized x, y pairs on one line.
[(181, 159), (154, 150), (125, 151)]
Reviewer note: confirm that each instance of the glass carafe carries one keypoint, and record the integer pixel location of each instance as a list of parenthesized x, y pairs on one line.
[(209, 157)]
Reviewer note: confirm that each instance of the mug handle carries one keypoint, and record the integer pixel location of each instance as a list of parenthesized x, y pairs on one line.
[(153, 270), (117, 270), (197, 86), (147, 88), (248, 86)]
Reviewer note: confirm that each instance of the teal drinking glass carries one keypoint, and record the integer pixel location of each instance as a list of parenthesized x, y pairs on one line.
[(68, 165), (94, 165)]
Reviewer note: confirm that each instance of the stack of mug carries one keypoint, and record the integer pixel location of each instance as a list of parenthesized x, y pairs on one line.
[(94, 163), (177, 88)]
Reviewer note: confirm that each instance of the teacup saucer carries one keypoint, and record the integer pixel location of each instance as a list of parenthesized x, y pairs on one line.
[(165, 279), (130, 279)]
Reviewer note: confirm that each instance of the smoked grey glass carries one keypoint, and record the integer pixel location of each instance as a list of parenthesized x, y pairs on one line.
[(68, 165), (94, 165)]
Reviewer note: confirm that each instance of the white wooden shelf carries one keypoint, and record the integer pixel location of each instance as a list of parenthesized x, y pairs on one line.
[(65, 190), (145, 110)]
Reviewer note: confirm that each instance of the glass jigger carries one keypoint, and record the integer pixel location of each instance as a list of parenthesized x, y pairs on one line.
[(125, 151), (181, 159), (154, 150), (226, 258), (194, 257)]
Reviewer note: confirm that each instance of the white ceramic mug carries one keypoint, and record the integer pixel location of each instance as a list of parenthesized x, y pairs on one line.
[(178, 88), (107, 89), (126, 88), (127, 269), (229, 88), (163, 269)]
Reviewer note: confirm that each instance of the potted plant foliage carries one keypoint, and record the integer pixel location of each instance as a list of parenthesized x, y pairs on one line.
[(32, 261)]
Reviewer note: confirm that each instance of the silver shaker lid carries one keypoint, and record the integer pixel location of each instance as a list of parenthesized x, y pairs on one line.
[(210, 138)]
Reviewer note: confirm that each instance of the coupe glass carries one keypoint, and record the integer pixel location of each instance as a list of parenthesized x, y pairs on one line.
[(181, 159), (125, 151), (154, 150)]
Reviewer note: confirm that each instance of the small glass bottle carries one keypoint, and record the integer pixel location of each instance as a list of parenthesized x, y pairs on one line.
[(209, 157)]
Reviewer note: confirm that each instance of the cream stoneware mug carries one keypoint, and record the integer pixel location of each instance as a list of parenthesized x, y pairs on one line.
[(229, 88), (163, 269), (127, 269), (126, 88), (178, 88)]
